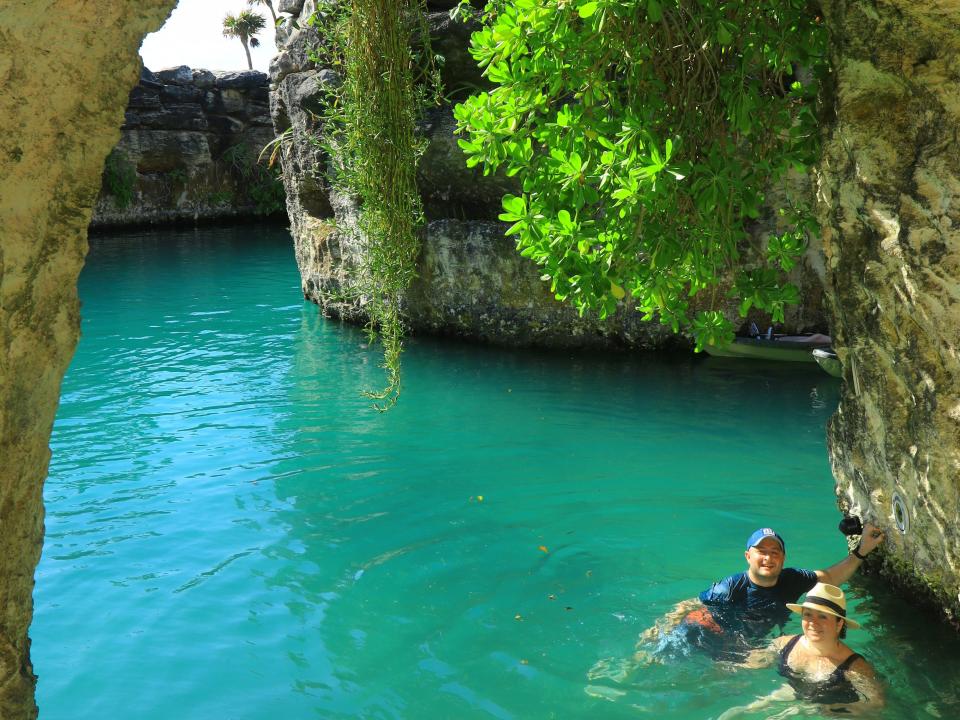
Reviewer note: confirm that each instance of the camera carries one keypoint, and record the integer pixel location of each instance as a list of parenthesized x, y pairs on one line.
[(851, 525)]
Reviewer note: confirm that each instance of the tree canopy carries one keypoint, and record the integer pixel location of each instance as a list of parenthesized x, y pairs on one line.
[(646, 134), (268, 4), (244, 25)]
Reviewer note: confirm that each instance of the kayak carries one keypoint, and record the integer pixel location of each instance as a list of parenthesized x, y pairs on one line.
[(789, 348)]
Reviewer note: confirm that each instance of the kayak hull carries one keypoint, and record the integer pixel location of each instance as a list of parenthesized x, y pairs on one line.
[(828, 360), (791, 348)]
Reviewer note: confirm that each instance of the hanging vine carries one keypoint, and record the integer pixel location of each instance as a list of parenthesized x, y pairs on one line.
[(370, 134)]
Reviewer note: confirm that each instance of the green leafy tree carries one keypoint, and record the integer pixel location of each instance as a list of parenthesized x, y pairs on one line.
[(646, 133), (244, 25), (268, 4)]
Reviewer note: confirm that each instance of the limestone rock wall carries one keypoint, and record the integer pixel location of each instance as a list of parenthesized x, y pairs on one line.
[(472, 282), (66, 69), (889, 203), (189, 150)]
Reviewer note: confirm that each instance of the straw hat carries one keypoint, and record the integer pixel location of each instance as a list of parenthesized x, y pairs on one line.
[(827, 599)]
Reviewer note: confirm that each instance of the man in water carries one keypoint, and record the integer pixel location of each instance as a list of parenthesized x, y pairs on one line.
[(736, 613)]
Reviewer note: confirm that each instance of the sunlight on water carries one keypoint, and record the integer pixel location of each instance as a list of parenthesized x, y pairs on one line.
[(233, 533)]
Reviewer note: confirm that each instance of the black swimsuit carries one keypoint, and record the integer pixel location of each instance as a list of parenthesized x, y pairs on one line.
[(835, 689)]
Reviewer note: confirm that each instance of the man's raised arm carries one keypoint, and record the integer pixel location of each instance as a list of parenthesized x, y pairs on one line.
[(842, 571)]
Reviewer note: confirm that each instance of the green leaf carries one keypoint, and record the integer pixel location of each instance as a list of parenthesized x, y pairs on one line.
[(514, 204), (566, 222), (724, 37), (588, 9), (468, 147), (654, 11)]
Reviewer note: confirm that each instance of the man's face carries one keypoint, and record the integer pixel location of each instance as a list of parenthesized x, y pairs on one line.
[(765, 561)]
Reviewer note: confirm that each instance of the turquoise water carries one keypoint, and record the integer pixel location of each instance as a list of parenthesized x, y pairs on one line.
[(233, 534)]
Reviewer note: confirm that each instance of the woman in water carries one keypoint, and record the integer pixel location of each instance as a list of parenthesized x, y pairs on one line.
[(819, 667)]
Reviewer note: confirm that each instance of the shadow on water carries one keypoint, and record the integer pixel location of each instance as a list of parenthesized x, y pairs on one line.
[(917, 654)]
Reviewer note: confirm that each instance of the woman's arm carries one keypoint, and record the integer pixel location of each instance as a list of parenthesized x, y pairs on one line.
[(866, 682), (765, 656), (868, 686)]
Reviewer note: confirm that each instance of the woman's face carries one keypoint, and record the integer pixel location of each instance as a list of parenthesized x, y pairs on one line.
[(820, 626)]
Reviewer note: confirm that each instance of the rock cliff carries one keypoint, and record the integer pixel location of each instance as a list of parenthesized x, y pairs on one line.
[(188, 150), (889, 204), (472, 282), (66, 71)]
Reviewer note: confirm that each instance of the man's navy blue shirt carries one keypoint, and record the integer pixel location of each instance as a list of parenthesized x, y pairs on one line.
[(740, 606)]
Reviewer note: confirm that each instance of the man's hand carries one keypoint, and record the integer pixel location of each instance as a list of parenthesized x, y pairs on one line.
[(871, 537)]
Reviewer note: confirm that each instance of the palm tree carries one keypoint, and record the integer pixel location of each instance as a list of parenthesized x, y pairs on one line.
[(244, 25), (268, 3)]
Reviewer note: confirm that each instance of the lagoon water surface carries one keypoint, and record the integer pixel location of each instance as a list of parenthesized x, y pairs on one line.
[(232, 533)]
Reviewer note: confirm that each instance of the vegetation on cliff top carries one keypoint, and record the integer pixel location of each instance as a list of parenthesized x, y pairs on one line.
[(119, 179)]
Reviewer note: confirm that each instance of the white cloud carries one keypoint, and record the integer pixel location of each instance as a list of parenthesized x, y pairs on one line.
[(194, 36)]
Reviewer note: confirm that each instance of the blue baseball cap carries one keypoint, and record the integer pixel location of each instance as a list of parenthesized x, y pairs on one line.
[(763, 533)]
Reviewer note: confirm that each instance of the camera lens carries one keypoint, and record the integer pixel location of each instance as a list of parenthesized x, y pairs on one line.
[(851, 525)]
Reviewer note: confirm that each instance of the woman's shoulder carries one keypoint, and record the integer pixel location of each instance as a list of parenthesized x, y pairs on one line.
[(861, 666)]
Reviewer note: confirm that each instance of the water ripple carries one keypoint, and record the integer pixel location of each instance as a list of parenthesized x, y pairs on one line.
[(222, 499)]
